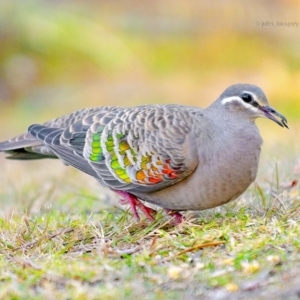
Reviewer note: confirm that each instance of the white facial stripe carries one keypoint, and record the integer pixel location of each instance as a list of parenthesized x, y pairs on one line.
[(238, 99)]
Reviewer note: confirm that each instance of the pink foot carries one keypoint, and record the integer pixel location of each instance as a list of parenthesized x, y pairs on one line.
[(177, 216), (134, 202)]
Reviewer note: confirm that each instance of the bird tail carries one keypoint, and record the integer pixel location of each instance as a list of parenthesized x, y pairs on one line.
[(26, 147)]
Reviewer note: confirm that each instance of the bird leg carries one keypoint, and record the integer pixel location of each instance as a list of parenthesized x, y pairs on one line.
[(134, 202), (177, 216)]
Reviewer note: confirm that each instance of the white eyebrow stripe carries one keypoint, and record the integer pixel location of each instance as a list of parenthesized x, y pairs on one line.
[(238, 99)]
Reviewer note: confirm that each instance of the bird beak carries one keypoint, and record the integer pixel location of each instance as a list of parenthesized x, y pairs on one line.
[(270, 112)]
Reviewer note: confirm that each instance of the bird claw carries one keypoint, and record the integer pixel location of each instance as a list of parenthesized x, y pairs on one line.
[(177, 217), (135, 203)]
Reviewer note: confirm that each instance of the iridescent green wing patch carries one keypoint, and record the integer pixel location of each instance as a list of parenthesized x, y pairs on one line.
[(119, 155), (129, 166), (118, 148), (96, 151)]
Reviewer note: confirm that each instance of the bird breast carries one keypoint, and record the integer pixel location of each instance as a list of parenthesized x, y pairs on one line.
[(227, 166)]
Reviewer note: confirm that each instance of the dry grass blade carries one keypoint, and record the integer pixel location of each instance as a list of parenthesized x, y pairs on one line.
[(201, 246), (50, 237)]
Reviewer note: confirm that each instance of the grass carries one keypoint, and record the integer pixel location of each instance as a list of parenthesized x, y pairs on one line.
[(72, 248)]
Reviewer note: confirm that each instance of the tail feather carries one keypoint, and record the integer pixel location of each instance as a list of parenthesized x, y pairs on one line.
[(26, 147), (18, 142)]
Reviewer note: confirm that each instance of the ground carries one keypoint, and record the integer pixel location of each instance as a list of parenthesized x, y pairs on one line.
[(63, 237)]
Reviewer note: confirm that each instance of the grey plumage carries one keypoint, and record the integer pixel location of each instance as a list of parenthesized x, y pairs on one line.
[(178, 157)]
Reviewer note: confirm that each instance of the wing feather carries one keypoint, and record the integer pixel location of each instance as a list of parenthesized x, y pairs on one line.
[(51, 137), (138, 149), (144, 148)]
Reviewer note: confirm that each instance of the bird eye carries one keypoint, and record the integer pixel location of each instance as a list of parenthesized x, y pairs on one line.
[(246, 97)]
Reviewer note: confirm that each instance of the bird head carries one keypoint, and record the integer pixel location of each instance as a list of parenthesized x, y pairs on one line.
[(252, 101)]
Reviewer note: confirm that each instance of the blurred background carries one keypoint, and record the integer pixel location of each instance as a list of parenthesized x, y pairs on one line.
[(59, 56)]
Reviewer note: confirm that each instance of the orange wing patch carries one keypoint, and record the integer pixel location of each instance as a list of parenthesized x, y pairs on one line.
[(155, 172)]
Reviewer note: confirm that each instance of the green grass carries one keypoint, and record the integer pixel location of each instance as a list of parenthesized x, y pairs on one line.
[(73, 249)]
